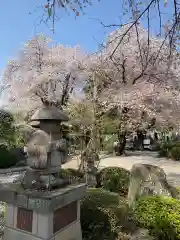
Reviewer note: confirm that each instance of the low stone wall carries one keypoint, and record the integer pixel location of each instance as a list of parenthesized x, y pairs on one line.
[(13, 169)]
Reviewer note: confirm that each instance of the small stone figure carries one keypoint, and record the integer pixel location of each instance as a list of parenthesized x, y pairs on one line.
[(89, 158)]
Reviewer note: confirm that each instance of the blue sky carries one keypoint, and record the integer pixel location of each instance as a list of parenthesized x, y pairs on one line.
[(17, 25)]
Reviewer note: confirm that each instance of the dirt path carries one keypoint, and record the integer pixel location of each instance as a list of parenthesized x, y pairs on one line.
[(171, 168)]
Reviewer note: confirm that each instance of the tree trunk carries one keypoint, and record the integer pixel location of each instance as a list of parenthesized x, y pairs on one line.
[(83, 160), (122, 143), (140, 140)]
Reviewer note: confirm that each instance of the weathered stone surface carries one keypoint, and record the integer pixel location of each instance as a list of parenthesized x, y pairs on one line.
[(49, 112), (148, 179), (141, 234), (37, 149), (26, 131), (17, 235), (31, 180), (7, 195), (35, 124), (43, 201)]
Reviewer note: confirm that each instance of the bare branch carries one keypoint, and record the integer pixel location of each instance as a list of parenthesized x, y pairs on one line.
[(135, 22), (160, 21), (175, 10)]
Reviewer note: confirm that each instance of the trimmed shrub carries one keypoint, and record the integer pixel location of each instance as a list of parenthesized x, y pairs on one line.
[(102, 215), (177, 192), (105, 215), (72, 173), (98, 220), (160, 215), (170, 149), (114, 179), (7, 159), (166, 148), (175, 153), (2, 218), (102, 198)]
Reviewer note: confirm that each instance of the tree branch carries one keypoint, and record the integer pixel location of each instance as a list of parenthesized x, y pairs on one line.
[(136, 21)]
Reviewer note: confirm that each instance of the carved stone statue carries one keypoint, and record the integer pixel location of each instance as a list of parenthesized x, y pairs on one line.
[(46, 149)]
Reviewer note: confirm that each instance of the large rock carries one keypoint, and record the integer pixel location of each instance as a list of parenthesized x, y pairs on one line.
[(148, 179)]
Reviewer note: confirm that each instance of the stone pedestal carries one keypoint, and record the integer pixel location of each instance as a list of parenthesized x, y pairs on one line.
[(34, 215)]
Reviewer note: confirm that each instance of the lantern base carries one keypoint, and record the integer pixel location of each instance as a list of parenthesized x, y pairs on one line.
[(49, 215), (72, 232)]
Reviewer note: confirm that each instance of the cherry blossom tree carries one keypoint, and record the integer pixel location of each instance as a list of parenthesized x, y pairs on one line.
[(150, 12), (140, 77), (43, 69), (137, 73)]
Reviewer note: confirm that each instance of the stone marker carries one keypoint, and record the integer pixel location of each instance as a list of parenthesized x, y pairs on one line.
[(41, 205)]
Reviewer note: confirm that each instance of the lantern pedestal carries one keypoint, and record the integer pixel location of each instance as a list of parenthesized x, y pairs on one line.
[(35, 215)]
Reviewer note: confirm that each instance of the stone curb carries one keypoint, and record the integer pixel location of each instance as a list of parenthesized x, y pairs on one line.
[(14, 169)]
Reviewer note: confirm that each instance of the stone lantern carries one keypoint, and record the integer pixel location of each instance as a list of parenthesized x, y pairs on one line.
[(35, 124), (47, 141), (42, 206)]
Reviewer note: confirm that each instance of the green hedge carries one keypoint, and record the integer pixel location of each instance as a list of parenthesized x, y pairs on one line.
[(98, 220), (7, 159), (104, 215), (170, 149), (160, 215), (2, 219), (102, 198), (73, 173), (114, 179), (165, 149), (175, 153)]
